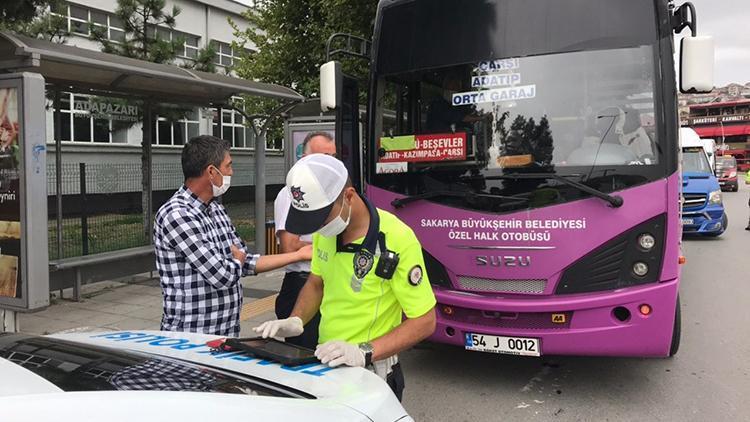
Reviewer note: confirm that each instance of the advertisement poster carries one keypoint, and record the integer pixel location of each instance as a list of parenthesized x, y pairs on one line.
[(10, 205), (298, 136)]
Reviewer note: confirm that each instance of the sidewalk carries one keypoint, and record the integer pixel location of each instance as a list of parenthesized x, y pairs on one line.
[(135, 304)]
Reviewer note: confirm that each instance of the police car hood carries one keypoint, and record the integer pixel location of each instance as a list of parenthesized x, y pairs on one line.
[(355, 388)]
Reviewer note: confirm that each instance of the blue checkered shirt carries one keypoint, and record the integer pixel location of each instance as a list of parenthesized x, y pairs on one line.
[(200, 279)]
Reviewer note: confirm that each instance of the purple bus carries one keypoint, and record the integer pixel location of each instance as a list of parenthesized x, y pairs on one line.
[(532, 146)]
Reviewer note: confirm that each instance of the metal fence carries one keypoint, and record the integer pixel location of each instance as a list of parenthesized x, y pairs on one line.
[(102, 209)]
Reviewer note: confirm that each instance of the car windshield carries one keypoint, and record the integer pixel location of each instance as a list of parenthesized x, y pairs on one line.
[(726, 162), (80, 367), (694, 161)]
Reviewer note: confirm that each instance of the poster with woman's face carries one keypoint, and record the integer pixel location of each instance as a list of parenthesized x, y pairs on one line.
[(10, 205), (8, 118)]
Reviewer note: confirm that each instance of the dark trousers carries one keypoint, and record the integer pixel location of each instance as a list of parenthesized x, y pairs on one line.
[(395, 380), (290, 288)]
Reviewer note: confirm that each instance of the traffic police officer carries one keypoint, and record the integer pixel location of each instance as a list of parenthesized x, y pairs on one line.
[(367, 272)]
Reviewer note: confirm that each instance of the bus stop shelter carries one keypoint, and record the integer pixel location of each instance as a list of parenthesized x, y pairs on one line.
[(72, 69)]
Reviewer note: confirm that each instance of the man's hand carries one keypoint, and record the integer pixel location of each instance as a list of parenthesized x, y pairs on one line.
[(238, 254), (335, 353), (305, 253), (289, 327)]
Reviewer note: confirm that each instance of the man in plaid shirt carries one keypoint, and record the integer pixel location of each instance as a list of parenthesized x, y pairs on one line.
[(199, 255)]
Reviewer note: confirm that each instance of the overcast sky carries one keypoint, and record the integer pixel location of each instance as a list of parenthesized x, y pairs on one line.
[(729, 23)]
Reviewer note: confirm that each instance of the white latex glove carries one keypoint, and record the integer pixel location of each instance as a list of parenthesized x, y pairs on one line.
[(335, 353), (289, 327)]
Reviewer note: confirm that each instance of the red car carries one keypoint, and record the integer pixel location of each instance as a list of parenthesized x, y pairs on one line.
[(726, 172)]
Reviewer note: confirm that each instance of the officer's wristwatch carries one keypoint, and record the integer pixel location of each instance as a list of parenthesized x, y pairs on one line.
[(367, 349)]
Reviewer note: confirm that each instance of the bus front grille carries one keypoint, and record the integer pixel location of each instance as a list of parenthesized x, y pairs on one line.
[(693, 201), (475, 284)]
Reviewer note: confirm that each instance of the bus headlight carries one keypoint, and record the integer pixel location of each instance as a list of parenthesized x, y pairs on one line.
[(640, 269), (732, 174), (715, 197), (646, 241)]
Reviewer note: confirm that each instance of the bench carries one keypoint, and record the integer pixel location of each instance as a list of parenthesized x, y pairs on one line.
[(76, 271)]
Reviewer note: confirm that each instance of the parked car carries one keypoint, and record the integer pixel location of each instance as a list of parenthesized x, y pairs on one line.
[(164, 376), (726, 171)]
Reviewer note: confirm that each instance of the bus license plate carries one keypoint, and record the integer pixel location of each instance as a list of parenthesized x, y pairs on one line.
[(687, 222), (506, 345)]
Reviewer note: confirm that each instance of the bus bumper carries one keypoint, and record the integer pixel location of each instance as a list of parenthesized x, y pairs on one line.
[(590, 326)]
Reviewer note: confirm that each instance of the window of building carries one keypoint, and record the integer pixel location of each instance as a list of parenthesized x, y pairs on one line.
[(192, 46), (176, 132), (226, 55), (116, 29), (230, 125), (190, 43), (78, 125), (232, 128), (79, 18)]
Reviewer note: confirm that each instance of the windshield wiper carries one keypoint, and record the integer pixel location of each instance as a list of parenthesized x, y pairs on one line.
[(401, 202), (615, 201)]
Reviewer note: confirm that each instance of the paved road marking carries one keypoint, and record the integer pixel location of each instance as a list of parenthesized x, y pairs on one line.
[(257, 307)]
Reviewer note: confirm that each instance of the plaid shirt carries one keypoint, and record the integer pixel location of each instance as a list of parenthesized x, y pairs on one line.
[(200, 279), (159, 375)]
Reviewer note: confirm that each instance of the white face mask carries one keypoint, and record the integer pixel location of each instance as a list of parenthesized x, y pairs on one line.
[(337, 225), (221, 190)]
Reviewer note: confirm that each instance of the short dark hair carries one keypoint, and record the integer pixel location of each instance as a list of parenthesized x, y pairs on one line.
[(313, 135), (203, 151)]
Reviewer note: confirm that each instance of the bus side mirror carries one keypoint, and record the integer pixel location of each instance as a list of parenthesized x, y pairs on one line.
[(697, 65), (331, 85)]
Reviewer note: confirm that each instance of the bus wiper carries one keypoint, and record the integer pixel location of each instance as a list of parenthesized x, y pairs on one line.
[(615, 201), (401, 202)]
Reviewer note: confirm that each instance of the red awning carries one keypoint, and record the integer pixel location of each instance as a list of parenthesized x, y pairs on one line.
[(718, 132), (720, 104)]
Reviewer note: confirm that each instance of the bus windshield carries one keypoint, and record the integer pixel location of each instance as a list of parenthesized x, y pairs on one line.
[(589, 115)]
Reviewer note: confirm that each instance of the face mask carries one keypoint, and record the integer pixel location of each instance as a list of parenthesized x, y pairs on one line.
[(336, 226), (221, 190)]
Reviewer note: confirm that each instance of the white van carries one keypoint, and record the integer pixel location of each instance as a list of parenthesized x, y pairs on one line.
[(688, 138)]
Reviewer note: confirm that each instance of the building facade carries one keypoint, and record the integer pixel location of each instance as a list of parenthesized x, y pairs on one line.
[(108, 137)]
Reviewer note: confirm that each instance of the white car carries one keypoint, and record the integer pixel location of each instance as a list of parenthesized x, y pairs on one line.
[(162, 376)]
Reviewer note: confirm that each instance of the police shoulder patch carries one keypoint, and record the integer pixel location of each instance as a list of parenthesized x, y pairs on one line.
[(415, 275)]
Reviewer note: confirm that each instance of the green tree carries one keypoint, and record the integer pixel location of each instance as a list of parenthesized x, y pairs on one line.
[(291, 35), (290, 38), (33, 18), (20, 11), (143, 40)]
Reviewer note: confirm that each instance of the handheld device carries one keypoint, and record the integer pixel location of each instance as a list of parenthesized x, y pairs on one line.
[(272, 349)]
